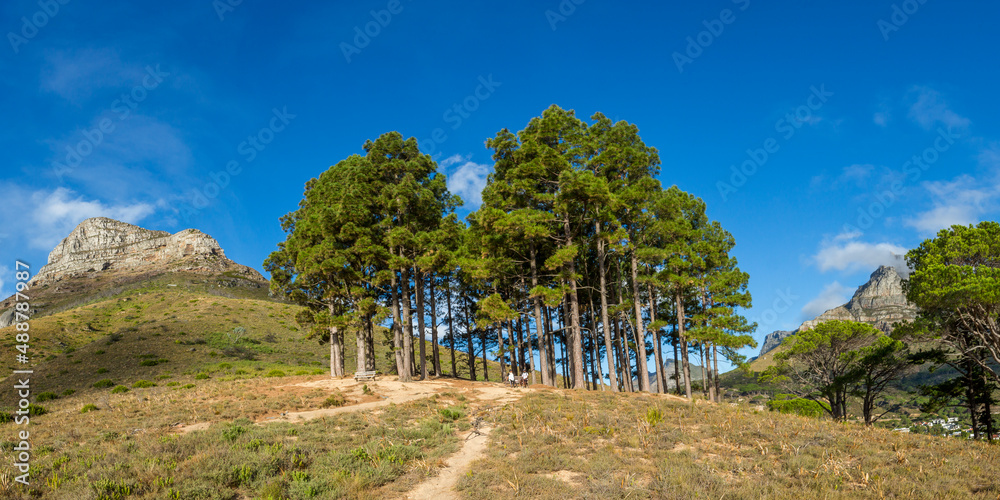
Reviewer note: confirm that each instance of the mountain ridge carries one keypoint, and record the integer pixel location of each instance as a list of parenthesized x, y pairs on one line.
[(880, 302)]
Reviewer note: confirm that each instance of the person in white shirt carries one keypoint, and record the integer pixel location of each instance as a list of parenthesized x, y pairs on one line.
[(524, 379), (510, 378)]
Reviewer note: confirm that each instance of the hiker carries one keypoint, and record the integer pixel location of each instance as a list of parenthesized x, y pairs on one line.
[(510, 377), (524, 379)]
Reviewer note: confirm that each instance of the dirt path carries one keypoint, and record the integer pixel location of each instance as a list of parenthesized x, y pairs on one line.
[(442, 486), (482, 396), (386, 392)]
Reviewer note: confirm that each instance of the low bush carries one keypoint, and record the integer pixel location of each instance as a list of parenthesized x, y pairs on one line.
[(787, 403), (104, 383)]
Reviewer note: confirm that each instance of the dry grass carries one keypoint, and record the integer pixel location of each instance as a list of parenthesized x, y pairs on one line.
[(594, 445), (131, 445)]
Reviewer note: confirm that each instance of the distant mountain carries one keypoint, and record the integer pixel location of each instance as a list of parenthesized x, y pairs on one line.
[(103, 254), (669, 369), (880, 302)]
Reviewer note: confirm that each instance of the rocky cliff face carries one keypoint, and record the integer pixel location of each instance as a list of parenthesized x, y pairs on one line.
[(773, 340), (880, 303), (102, 244)]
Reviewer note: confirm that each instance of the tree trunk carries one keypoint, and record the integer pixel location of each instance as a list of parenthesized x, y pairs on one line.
[(715, 376), (362, 352), (469, 329), (704, 371), (336, 354), (435, 351), (677, 364), (543, 357), (661, 377), (640, 332), (501, 352), (574, 317), (486, 367), (451, 332), (520, 346), (418, 278), (603, 290), (404, 279), (531, 353), (550, 348), (370, 343), (682, 343), (397, 327)]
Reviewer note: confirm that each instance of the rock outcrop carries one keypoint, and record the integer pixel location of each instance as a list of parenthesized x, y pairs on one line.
[(880, 303), (102, 244), (773, 340)]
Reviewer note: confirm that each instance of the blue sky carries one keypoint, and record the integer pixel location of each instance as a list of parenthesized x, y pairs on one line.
[(211, 115)]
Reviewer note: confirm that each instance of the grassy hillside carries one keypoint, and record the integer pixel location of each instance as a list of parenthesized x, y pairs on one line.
[(176, 329), (147, 392), (597, 445)]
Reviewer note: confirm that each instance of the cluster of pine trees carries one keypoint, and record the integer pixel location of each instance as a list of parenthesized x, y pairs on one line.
[(576, 248)]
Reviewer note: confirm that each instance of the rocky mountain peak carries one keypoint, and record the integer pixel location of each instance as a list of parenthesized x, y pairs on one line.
[(103, 244), (879, 302)]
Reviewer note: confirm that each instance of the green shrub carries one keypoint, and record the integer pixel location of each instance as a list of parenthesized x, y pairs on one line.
[(653, 416), (450, 414), (89, 407), (788, 403), (45, 396), (335, 399), (275, 373), (233, 432), (119, 389), (102, 370), (142, 384), (69, 392), (104, 383), (201, 376)]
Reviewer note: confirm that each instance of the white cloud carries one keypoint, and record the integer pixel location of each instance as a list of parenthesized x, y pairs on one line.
[(845, 253), (928, 109), (960, 201), (451, 160), (467, 179), (74, 75), (831, 296), (858, 174), (56, 213), (881, 118)]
